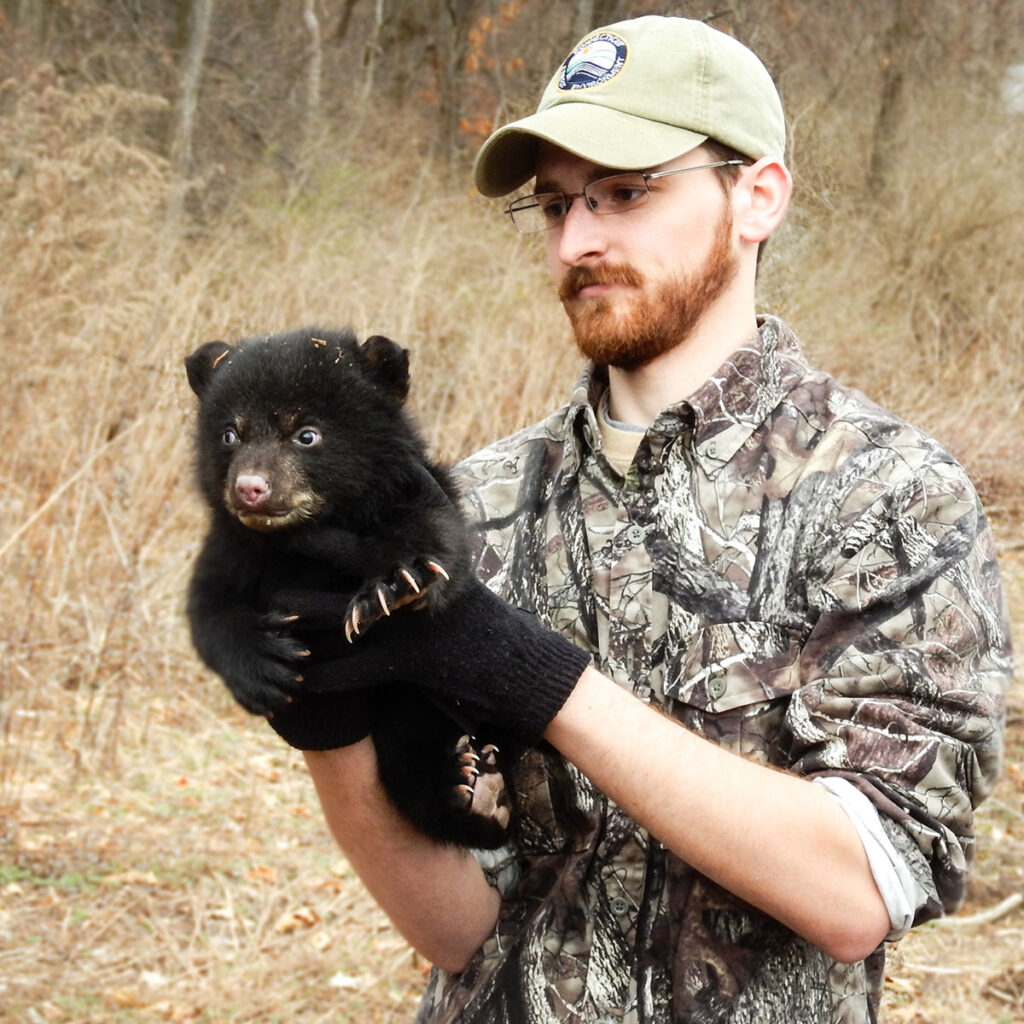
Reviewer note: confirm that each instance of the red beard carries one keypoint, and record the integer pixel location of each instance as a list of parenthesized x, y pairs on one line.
[(651, 325)]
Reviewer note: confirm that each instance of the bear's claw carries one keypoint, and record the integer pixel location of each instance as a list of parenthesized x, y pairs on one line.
[(379, 598), (481, 790)]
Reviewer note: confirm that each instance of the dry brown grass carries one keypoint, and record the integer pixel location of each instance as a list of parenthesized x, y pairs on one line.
[(161, 854)]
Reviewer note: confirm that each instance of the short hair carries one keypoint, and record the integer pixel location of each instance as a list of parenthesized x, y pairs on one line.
[(728, 173)]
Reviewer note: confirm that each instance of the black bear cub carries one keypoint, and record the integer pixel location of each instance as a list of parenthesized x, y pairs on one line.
[(304, 430)]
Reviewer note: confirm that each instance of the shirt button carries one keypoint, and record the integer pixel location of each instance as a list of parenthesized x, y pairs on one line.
[(635, 534), (619, 905), (716, 687)]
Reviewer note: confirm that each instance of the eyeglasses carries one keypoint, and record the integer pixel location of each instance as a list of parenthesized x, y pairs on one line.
[(617, 193)]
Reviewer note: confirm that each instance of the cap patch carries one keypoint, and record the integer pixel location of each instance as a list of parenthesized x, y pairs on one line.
[(596, 60)]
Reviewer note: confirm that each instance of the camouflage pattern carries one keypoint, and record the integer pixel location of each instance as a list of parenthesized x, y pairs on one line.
[(791, 572)]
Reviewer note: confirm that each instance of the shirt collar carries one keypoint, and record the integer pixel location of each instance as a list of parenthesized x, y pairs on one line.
[(723, 412), (741, 394), (581, 430)]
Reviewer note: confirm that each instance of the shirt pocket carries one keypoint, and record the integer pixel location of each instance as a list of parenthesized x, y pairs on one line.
[(733, 682)]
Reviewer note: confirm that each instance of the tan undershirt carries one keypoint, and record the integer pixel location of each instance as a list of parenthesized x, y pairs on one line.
[(620, 439)]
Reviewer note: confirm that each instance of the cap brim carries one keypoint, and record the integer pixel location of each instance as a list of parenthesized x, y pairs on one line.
[(599, 134)]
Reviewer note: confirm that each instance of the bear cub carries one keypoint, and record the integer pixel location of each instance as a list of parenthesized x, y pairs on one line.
[(304, 430)]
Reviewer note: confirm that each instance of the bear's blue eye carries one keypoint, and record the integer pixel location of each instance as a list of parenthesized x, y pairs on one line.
[(308, 437), (230, 437)]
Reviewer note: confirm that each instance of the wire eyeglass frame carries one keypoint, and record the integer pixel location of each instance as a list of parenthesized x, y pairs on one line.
[(544, 211)]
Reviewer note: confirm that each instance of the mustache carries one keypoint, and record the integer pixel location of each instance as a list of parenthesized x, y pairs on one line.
[(602, 273)]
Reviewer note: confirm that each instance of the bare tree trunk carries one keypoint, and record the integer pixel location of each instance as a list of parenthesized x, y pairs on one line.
[(451, 20), (34, 17), (341, 29), (372, 50), (316, 60), (199, 14), (898, 44), (584, 19)]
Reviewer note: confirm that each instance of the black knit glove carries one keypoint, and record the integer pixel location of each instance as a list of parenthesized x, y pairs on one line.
[(493, 662)]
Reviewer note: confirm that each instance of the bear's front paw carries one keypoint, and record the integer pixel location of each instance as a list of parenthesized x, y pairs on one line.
[(410, 585), (268, 675)]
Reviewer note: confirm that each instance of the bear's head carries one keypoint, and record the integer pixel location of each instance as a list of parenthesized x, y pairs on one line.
[(296, 426)]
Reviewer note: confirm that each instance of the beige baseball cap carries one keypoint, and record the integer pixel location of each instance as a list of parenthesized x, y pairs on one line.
[(637, 94)]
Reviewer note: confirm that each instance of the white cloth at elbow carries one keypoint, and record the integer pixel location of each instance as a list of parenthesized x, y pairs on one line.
[(901, 892)]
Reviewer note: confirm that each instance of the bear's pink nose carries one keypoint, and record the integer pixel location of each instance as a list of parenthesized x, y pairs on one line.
[(252, 489)]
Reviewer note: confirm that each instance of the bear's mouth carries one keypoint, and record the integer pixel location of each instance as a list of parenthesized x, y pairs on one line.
[(267, 521), (269, 518)]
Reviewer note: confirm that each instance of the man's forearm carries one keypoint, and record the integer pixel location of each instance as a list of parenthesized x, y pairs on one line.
[(773, 839), (435, 895)]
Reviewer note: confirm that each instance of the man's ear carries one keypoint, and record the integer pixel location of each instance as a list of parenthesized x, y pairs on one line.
[(761, 197)]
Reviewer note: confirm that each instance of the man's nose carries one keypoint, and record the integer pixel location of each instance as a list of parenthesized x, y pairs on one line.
[(582, 235)]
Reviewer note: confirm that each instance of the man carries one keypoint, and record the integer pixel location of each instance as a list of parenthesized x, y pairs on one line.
[(788, 599)]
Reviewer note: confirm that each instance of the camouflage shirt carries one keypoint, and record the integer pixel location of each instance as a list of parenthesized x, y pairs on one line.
[(789, 571)]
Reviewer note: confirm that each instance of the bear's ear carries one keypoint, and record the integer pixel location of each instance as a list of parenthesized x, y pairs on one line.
[(203, 363), (390, 363)]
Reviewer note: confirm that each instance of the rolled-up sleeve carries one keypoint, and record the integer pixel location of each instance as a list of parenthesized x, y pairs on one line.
[(904, 674)]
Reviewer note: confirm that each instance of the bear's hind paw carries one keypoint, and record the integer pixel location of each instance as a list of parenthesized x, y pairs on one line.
[(481, 791)]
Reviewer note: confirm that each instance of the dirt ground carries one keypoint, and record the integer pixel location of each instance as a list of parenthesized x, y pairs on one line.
[(187, 877)]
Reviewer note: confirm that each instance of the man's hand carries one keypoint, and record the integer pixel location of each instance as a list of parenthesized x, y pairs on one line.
[(493, 661)]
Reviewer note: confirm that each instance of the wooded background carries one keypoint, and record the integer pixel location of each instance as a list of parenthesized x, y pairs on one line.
[(253, 80), (174, 172), (914, 106)]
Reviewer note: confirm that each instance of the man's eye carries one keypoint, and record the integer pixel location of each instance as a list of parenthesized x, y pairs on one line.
[(613, 196), (553, 207), (625, 194), (308, 437)]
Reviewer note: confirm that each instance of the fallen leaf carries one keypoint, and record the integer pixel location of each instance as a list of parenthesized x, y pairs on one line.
[(300, 917), (125, 998)]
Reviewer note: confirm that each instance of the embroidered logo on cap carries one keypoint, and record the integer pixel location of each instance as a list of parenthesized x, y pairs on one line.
[(596, 60)]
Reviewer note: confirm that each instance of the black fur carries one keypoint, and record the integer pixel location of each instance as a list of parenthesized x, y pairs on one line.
[(301, 430)]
